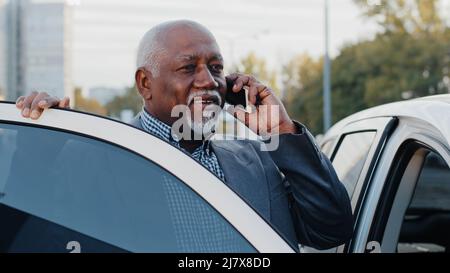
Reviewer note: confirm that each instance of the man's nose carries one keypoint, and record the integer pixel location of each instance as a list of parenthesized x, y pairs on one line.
[(204, 79)]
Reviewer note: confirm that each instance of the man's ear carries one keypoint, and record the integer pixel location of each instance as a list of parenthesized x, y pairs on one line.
[(143, 83)]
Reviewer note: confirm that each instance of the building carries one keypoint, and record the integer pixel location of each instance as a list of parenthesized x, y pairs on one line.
[(38, 49), (2, 50)]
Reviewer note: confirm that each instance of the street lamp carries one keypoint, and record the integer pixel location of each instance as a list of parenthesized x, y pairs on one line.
[(326, 76)]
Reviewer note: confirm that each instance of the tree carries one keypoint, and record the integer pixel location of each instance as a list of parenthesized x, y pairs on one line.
[(404, 16), (256, 66), (389, 68), (88, 105), (131, 100), (302, 82), (412, 54), (409, 58)]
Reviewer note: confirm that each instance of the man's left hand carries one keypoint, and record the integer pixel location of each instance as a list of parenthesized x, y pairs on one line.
[(268, 115)]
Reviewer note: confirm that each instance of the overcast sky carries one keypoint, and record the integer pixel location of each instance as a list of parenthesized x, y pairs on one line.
[(106, 32)]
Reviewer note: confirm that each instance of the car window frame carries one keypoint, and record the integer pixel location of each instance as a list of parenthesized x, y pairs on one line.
[(328, 150), (364, 168), (384, 127), (408, 129), (263, 239), (399, 190)]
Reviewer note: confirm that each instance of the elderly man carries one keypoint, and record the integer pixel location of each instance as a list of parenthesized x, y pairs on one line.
[(294, 187)]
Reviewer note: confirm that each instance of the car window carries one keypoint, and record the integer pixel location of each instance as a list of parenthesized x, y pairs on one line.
[(59, 190), (426, 224), (350, 157)]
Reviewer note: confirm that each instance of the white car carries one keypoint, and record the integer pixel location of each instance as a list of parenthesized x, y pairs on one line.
[(75, 182), (394, 161)]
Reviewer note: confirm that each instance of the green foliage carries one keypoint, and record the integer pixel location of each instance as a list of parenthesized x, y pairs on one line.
[(302, 80), (131, 100), (368, 74), (256, 66), (88, 105), (404, 16), (410, 58)]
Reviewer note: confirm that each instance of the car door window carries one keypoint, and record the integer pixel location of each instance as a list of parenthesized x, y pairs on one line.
[(61, 191), (426, 224), (350, 157)]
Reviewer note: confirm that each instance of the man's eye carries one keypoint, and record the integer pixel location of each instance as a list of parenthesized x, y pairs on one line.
[(188, 68), (218, 68)]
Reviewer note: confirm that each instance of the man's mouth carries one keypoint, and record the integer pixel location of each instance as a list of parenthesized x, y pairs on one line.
[(205, 100)]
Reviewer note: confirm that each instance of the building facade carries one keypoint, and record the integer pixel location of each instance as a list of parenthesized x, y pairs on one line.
[(3, 61), (39, 39)]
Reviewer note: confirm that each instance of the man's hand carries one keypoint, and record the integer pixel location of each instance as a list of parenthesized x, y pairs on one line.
[(269, 114), (34, 104)]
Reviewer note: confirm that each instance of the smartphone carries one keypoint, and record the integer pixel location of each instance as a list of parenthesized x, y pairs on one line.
[(238, 98)]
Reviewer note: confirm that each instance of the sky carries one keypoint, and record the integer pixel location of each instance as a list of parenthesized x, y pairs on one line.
[(106, 33)]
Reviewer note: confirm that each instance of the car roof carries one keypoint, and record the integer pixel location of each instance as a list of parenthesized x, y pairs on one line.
[(434, 110)]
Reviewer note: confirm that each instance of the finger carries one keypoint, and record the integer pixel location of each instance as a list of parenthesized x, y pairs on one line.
[(27, 104), (253, 93), (232, 76), (39, 104), (36, 113), (64, 103), (42, 96), (239, 113), (264, 91), (19, 102), (48, 102), (240, 82)]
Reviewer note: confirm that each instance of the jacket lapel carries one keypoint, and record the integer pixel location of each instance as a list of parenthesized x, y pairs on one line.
[(244, 173)]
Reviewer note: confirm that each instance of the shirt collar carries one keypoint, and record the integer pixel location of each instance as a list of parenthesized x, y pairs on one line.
[(158, 128)]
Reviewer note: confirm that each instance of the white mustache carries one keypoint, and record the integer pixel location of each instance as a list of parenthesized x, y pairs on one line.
[(212, 93)]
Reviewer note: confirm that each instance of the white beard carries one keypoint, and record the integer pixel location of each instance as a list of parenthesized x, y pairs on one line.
[(206, 127), (209, 117)]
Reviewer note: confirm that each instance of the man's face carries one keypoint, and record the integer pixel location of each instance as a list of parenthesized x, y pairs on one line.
[(190, 73)]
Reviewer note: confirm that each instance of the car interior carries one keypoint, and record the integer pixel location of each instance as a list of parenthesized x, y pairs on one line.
[(426, 225)]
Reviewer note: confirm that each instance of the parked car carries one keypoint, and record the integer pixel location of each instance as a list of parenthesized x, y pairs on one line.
[(78, 182), (394, 162), (75, 182)]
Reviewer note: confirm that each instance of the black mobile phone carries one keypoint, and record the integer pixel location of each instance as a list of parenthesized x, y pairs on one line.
[(238, 98)]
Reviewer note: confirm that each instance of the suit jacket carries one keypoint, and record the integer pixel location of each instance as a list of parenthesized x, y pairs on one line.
[(294, 188)]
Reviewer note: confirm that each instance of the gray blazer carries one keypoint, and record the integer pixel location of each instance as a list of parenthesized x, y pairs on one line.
[(294, 188)]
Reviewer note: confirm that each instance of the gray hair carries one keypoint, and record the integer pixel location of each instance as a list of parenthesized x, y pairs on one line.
[(148, 51), (151, 48)]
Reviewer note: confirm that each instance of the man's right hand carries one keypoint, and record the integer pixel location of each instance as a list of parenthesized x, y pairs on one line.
[(34, 104)]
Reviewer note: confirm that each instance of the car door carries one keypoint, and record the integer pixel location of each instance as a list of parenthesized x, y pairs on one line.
[(354, 151), (83, 183), (405, 208)]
